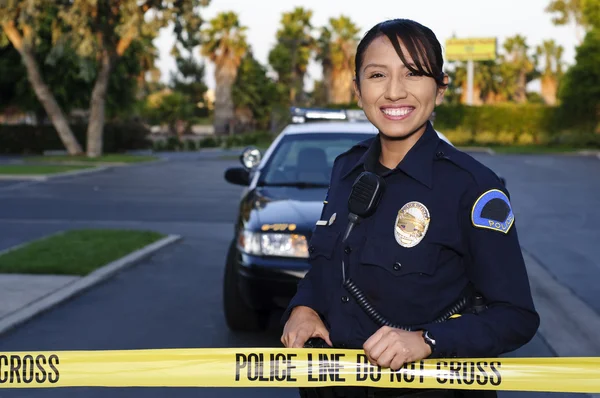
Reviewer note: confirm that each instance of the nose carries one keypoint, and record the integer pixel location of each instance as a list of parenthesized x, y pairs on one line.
[(395, 90)]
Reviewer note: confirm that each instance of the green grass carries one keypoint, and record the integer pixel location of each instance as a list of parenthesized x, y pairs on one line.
[(26, 169), (109, 158), (76, 252)]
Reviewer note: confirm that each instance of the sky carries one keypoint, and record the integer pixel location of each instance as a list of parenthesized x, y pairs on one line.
[(463, 18)]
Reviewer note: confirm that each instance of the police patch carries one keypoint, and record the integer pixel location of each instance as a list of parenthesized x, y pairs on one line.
[(493, 211)]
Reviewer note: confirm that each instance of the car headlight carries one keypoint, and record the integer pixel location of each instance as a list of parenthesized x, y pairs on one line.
[(273, 244)]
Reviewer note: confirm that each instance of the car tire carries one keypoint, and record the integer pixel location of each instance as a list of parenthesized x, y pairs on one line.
[(238, 315)]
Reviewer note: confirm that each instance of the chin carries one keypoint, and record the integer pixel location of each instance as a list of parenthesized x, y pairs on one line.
[(397, 133), (392, 135)]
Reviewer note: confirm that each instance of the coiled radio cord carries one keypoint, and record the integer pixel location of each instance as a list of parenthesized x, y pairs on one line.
[(380, 320)]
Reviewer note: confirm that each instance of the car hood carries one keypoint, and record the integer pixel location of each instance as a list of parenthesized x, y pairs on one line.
[(286, 206)]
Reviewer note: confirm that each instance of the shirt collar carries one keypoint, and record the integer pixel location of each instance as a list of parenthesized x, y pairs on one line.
[(418, 162)]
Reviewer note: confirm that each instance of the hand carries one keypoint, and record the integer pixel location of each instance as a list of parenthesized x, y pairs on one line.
[(303, 324), (392, 348)]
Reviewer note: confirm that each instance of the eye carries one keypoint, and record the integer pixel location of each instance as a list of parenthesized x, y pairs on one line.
[(414, 74), (375, 75)]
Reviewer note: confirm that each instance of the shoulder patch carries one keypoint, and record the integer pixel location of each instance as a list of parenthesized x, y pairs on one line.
[(492, 210)]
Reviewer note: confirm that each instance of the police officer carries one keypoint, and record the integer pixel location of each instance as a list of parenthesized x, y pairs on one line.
[(443, 232)]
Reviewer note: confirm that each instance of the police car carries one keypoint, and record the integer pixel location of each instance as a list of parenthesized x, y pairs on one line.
[(281, 202)]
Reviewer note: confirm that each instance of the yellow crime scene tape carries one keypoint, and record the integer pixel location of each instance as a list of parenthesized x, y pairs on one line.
[(273, 367)]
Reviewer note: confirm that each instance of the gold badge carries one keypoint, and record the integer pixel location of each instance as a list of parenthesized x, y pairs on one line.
[(411, 225)]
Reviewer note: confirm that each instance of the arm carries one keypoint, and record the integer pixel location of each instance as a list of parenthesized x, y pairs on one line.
[(495, 266)]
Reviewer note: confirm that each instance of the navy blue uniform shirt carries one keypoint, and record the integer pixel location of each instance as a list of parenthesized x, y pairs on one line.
[(443, 223)]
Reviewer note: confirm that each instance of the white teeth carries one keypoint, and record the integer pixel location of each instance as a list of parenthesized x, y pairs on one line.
[(397, 111)]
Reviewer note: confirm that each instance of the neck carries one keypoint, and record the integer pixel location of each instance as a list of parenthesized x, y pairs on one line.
[(394, 150)]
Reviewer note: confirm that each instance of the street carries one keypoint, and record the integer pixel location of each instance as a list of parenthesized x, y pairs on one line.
[(173, 300)]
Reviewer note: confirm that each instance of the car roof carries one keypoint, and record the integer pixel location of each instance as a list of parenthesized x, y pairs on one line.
[(331, 127), (338, 127)]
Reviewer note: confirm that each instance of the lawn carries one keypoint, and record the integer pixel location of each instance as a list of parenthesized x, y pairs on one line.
[(31, 169), (108, 158), (76, 252)]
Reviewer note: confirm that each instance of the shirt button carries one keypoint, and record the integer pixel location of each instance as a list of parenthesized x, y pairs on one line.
[(311, 249), (348, 250), (440, 154), (345, 299), (397, 266)]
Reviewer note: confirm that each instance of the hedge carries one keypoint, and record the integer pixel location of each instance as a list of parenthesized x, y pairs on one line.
[(257, 138), (512, 124), (27, 139)]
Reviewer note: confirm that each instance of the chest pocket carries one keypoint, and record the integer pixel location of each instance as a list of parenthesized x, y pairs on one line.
[(322, 243), (400, 261)]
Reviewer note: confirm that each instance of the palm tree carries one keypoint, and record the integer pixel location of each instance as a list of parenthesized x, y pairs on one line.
[(519, 65), (552, 71), (290, 56), (336, 50), (225, 45), (486, 87)]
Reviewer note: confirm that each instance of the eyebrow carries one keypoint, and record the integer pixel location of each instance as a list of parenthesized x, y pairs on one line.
[(384, 66)]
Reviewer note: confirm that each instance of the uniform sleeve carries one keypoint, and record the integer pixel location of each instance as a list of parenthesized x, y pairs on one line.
[(307, 293), (496, 268)]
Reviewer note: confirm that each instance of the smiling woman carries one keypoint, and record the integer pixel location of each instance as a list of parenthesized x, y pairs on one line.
[(424, 258)]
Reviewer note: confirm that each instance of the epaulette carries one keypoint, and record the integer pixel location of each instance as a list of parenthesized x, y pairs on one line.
[(483, 176)]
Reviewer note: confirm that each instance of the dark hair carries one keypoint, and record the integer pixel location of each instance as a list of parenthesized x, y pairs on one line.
[(419, 40)]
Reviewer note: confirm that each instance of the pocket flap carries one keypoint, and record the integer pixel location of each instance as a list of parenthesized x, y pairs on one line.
[(398, 260), (322, 242)]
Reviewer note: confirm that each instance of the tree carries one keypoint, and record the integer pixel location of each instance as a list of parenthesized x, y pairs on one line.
[(101, 30), (169, 107), (107, 29), (552, 71), (225, 45), (572, 12), (254, 90), (580, 89), (189, 80), (19, 20), (291, 55), (336, 50), (517, 67)]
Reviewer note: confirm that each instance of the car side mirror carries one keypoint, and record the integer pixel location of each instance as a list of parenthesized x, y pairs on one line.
[(237, 175), (250, 157)]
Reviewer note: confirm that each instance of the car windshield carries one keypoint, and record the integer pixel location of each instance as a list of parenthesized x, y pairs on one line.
[(306, 160)]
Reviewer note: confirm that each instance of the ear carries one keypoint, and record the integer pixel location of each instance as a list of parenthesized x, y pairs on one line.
[(441, 91), (357, 92)]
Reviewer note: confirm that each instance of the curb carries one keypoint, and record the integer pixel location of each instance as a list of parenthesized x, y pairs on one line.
[(45, 303), (46, 177), (487, 150), (24, 177)]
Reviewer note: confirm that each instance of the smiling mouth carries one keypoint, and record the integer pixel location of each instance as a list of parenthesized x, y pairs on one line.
[(397, 113)]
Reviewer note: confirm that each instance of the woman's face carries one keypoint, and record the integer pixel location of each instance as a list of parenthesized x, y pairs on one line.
[(394, 99)]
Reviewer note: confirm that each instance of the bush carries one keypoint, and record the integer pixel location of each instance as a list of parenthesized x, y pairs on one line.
[(510, 124), (27, 139), (209, 142)]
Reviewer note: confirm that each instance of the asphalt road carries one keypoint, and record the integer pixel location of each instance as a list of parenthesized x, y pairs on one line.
[(173, 300)]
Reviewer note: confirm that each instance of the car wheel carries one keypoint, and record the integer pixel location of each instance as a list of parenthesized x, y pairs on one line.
[(239, 316)]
